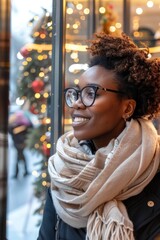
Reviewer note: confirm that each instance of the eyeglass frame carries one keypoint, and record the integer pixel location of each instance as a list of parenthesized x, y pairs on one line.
[(95, 88)]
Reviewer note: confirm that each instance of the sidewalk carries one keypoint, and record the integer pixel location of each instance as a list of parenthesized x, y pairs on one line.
[(21, 221)]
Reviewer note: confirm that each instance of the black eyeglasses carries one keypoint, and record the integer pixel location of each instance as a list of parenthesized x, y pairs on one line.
[(87, 95)]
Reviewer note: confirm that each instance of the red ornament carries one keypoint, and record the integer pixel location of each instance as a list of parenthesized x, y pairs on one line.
[(33, 110), (45, 150), (110, 6), (37, 85), (24, 52)]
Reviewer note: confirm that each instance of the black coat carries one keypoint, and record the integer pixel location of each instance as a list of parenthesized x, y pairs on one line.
[(143, 210)]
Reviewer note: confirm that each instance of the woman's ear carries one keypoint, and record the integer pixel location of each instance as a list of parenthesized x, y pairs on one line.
[(129, 107)]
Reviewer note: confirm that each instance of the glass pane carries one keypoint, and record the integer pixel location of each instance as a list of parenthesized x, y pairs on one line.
[(29, 115), (79, 27), (145, 28), (109, 16), (82, 20), (145, 24)]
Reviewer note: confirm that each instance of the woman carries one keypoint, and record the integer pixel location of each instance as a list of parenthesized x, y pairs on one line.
[(105, 173)]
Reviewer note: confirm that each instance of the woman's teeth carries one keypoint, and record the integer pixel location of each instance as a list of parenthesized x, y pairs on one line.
[(79, 119)]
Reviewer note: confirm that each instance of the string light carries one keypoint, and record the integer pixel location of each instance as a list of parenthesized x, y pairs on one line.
[(102, 10), (46, 95), (75, 26), (118, 25), (41, 74), (76, 81), (29, 59), (37, 95), (44, 175), (86, 11), (25, 63), (74, 55), (150, 4), (69, 11), (20, 101), (48, 145), (139, 11), (36, 146), (79, 6), (35, 173), (26, 74), (36, 34), (19, 56), (44, 183), (76, 47), (74, 68), (68, 25), (112, 28), (33, 70)]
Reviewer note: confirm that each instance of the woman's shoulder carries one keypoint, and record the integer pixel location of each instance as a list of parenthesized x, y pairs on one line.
[(144, 210), (53, 227)]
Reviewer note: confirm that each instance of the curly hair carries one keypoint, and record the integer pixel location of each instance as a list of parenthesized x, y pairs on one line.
[(136, 74)]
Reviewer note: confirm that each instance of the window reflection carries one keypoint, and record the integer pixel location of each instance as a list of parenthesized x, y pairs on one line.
[(29, 115), (145, 28), (83, 19)]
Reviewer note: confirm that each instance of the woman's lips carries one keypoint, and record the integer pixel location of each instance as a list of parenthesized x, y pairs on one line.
[(79, 121)]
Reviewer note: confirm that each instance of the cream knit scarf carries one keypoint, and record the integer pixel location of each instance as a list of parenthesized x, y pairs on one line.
[(85, 195)]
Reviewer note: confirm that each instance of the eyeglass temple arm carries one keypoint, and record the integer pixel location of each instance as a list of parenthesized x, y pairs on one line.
[(111, 90)]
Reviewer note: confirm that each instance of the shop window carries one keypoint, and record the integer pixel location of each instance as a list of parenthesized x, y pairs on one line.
[(83, 19), (145, 24), (29, 115)]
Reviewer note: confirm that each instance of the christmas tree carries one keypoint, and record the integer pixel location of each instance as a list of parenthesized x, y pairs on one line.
[(34, 89), (108, 20)]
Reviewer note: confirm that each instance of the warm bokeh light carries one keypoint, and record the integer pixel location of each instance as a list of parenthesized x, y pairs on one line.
[(69, 10), (150, 4), (102, 10), (139, 11), (37, 95), (112, 28), (79, 6)]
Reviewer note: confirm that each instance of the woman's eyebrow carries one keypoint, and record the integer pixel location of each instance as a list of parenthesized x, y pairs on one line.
[(93, 84), (74, 86)]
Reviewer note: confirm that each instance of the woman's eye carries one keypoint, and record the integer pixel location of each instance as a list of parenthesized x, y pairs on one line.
[(90, 94)]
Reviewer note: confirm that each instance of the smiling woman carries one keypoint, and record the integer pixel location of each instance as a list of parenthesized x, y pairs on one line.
[(105, 109), (105, 171)]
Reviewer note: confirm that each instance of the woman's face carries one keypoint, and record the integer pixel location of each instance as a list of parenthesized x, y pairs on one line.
[(104, 119)]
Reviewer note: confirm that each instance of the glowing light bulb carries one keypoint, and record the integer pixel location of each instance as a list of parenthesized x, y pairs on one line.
[(79, 6), (139, 11), (102, 10), (19, 101), (69, 11), (112, 28), (150, 4)]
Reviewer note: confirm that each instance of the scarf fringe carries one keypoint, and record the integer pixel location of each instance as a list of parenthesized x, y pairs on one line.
[(99, 229)]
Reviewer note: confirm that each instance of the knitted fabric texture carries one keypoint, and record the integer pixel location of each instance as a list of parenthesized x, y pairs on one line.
[(86, 195)]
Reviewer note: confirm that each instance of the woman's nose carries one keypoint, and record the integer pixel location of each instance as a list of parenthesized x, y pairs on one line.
[(78, 104)]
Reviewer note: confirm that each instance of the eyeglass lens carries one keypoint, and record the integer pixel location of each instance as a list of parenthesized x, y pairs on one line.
[(71, 96), (87, 95)]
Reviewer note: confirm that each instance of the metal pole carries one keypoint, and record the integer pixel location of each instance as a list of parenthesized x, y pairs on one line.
[(4, 83), (126, 17), (92, 28), (58, 66)]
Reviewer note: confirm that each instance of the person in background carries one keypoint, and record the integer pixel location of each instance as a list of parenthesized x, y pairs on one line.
[(105, 174), (18, 126)]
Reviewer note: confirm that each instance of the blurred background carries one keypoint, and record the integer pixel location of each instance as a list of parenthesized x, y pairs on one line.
[(30, 59), (35, 38)]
